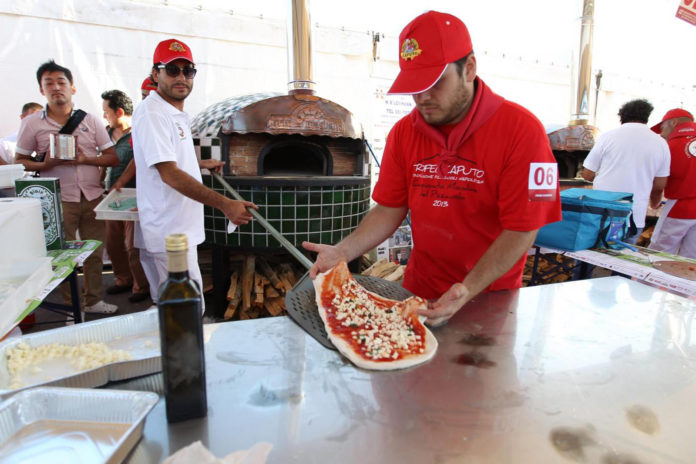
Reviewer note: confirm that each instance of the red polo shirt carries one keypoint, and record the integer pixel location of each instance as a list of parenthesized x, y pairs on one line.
[(460, 207), (682, 171)]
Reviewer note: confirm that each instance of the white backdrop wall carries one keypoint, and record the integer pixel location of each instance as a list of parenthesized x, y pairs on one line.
[(109, 44)]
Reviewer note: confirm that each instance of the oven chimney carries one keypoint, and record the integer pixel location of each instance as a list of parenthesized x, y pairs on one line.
[(582, 80), (300, 48)]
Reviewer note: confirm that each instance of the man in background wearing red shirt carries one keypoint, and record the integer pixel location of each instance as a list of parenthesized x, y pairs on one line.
[(476, 172), (675, 231)]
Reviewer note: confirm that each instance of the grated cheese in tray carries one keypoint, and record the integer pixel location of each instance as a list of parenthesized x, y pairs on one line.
[(24, 359), (380, 332)]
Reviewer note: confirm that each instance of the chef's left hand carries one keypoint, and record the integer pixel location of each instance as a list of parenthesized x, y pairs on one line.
[(211, 165), (439, 312)]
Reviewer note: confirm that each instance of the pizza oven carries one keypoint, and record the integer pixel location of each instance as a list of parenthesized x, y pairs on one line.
[(301, 158)]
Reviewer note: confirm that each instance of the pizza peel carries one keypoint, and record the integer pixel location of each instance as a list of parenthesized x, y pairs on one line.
[(300, 301)]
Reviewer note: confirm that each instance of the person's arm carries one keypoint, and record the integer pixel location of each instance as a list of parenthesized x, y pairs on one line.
[(108, 157), (127, 176), (587, 174), (503, 253), (38, 166), (379, 223), (236, 211), (658, 188)]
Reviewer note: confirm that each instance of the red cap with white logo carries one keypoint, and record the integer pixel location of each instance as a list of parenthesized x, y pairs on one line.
[(170, 50), (427, 45), (671, 114)]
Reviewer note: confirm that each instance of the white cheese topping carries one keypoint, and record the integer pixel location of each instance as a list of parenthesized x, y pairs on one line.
[(380, 332), (82, 357)]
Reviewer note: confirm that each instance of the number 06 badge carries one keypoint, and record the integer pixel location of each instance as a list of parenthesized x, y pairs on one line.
[(543, 178)]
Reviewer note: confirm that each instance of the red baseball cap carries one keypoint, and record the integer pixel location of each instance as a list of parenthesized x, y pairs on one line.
[(671, 114), (427, 45), (148, 84), (170, 50)]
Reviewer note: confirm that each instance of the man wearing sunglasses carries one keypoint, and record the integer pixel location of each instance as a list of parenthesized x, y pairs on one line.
[(170, 193)]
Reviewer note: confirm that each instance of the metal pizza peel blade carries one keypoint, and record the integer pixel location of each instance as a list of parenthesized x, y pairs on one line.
[(300, 301)]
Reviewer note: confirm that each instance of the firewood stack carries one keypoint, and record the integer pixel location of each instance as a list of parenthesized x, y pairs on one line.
[(386, 270), (258, 287), (544, 266)]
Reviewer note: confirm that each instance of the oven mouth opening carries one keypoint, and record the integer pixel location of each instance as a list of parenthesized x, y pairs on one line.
[(294, 158)]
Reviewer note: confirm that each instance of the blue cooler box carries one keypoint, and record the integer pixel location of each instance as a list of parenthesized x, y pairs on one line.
[(591, 219)]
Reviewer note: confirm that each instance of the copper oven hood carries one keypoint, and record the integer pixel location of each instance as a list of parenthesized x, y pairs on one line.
[(300, 112)]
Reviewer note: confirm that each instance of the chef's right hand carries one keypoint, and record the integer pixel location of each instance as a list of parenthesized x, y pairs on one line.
[(327, 257), (236, 211)]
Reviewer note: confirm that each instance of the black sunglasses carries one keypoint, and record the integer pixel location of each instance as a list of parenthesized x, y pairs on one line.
[(173, 70)]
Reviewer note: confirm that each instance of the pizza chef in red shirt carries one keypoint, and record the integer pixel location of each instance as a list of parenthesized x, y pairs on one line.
[(475, 170), (675, 231)]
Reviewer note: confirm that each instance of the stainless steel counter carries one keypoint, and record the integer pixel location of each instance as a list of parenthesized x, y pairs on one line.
[(582, 371)]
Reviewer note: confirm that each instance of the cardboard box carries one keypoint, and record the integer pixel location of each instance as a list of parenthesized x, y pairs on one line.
[(47, 190)]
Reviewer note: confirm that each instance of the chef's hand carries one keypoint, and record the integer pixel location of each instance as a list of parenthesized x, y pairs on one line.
[(327, 257), (236, 211), (211, 165), (439, 312)]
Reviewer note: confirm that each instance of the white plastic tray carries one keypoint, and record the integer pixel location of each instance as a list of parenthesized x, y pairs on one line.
[(20, 282), (137, 333), (65, 425), (105, 212)]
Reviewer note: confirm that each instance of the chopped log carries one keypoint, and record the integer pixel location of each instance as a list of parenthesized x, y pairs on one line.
[(258, 291), (234, 281), (274, 306), (248, 281), (271, 292), (289, 274), (234, 304), (382, 270), (379, 262), (365, 262), (270, 274), (251, 313), (396, 275)]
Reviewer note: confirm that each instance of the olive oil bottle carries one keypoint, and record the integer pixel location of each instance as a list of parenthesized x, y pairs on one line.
[(181, 336)]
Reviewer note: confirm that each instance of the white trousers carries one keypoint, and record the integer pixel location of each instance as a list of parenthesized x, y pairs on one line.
[(155, 267), (675, 236)]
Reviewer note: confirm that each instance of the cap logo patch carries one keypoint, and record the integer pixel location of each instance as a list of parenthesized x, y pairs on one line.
[(410, 50), (177, 47)]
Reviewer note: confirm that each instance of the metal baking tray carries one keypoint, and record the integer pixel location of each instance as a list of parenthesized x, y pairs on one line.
[(68, 425), (137, 333)]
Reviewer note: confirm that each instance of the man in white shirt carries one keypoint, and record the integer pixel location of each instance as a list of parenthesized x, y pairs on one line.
[(631, 158), (170, 194), (8, 144)]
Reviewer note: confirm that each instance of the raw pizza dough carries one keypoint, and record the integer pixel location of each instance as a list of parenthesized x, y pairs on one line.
[(338, 276)]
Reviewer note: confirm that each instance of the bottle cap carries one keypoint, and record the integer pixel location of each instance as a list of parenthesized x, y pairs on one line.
[(176, 242)]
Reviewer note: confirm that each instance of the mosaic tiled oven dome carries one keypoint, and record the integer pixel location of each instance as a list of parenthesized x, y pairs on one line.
[(302, 159)]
